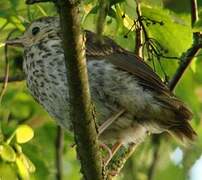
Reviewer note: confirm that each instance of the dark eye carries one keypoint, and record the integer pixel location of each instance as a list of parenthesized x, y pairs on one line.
[(35, 31)]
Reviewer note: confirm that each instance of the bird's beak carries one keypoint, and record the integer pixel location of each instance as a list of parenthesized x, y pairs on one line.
[(15, 42)]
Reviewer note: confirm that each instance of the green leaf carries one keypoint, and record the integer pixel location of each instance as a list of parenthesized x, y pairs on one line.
[(173, 35), (197, 26), (7, 153), (24, 133)]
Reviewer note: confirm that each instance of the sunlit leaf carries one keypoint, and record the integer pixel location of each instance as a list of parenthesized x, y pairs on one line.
[(28, 163), (7, 153), (24, 133), (22, 168)]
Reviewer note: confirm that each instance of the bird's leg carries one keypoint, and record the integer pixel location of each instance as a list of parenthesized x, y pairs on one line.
[(104, 146), (113, 151), (102, 128), (110, 120)]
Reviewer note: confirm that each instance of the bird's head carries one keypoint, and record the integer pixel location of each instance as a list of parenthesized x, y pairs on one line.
[(36, 31)]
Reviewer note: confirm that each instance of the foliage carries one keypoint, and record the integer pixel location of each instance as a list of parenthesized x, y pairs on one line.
[(18, 108)]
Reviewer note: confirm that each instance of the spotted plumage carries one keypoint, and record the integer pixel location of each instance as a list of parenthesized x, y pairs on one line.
[(118, 80)]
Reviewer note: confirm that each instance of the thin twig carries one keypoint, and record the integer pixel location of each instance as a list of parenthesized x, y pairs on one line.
[(59, 146), (3, 90), (194, 12), (138, 32)]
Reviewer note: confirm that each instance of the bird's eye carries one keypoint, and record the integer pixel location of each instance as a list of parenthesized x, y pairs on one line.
[(35, 31)]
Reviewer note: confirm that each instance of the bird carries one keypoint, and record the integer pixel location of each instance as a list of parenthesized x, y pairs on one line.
[(131, 101)]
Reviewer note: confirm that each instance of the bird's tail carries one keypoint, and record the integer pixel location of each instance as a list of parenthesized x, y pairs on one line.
[(183, 131)]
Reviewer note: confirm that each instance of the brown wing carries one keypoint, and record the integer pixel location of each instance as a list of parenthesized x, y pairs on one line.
[(146, 77), (124, 60)]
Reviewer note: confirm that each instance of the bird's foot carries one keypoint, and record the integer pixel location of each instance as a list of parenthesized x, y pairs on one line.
[(111, 152)]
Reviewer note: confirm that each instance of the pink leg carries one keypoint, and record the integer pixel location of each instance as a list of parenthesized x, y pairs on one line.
[(114, 149)]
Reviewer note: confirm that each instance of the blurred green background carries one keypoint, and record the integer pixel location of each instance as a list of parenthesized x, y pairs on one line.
[(175, 161)]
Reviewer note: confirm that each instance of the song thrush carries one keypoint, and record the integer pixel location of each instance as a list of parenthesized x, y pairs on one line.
[(130, 99)]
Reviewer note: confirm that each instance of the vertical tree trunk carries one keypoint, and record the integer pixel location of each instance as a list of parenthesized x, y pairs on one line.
[(81, 107)]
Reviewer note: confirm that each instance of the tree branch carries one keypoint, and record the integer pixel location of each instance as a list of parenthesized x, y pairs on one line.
[(6, 73), (117, 163), (191, 52), (103, 10), (59, 146), (83, 119), (185, 61)]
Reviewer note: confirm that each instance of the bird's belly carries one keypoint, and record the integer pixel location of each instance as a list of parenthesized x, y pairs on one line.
[(113, 89)]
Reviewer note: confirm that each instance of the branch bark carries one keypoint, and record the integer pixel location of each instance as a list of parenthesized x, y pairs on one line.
[(103, 10), (117, 163), (138, 32), (83, 119)]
